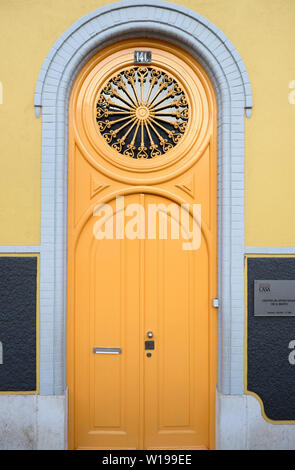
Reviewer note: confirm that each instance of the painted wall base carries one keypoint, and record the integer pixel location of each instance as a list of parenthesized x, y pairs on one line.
[(240, 426), (33, 422)]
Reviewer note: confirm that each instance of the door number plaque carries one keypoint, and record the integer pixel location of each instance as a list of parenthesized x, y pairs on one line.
[(142, 57)]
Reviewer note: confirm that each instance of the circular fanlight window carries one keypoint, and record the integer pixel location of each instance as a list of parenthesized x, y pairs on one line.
[(142, 112)]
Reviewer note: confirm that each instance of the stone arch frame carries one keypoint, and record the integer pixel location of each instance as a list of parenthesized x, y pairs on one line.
[(223, 64)]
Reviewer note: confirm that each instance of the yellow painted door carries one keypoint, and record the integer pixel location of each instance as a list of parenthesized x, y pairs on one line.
[(106, 305), (177, 375), (141, 135)]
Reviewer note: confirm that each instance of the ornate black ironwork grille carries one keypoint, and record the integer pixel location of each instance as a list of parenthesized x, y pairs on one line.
[(142, 112)]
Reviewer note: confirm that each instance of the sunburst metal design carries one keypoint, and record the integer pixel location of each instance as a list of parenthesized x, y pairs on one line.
[(142, 112)]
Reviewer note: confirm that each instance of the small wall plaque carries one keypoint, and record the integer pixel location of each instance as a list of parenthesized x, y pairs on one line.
[(274, 298), (142, 57)]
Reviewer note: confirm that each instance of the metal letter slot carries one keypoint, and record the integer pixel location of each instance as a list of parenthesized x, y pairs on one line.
[(107, 350)]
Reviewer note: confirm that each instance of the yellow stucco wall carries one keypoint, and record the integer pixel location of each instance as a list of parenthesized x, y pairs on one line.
[(264, 34)]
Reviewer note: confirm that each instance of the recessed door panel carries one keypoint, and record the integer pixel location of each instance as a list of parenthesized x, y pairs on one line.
[(106, 307), (176, 375)]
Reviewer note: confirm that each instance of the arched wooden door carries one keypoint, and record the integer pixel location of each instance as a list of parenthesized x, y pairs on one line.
[(141, 352)]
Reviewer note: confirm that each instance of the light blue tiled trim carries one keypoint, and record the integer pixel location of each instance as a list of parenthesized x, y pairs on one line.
[(270, 250), (20, 249), (227, 71)]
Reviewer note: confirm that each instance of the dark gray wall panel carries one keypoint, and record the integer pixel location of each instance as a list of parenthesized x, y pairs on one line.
[(18, 287)]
